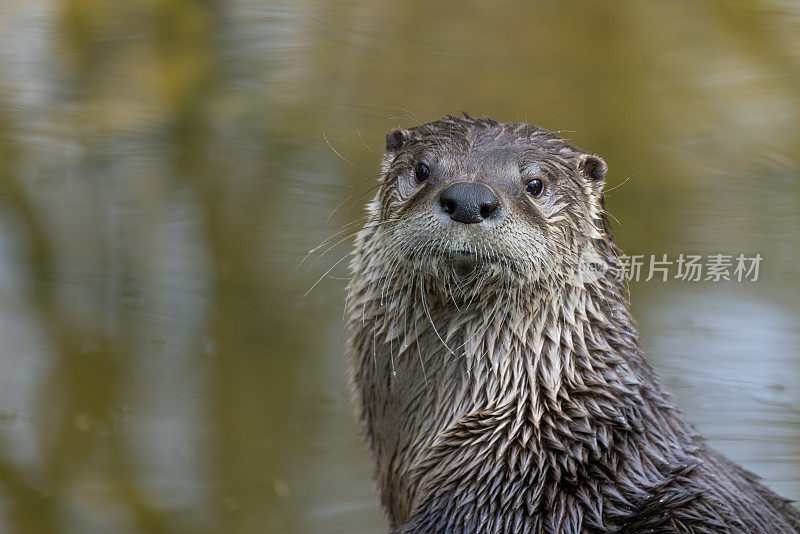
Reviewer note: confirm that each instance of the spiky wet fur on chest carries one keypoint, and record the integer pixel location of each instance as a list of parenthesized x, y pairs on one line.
[(523, 404)]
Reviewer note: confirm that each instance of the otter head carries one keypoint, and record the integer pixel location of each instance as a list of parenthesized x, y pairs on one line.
[(468, 203)]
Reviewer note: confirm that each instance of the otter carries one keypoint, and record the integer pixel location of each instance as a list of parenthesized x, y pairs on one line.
[(500, 385)]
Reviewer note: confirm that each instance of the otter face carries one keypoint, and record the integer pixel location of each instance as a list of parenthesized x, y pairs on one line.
[(464, 201)]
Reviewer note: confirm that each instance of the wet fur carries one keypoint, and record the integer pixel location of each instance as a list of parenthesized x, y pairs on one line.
[(515, 398)]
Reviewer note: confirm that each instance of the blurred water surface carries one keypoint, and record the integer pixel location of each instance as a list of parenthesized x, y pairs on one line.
[(165, 165)]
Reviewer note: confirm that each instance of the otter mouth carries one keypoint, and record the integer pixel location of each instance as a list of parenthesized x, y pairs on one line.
[(466, 262)]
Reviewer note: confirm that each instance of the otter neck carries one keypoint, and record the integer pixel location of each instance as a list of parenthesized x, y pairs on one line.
[(544, 354), (534, 351)]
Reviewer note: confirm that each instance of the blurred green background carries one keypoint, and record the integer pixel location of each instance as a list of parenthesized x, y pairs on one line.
[(165, 165)]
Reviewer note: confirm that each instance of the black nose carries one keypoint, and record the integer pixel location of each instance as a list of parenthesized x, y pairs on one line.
[(469, 202)]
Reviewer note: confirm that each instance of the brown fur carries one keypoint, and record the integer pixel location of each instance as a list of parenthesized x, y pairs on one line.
[(510, 395)]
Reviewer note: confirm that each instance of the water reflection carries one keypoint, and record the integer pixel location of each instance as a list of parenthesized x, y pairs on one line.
[(165, 166)]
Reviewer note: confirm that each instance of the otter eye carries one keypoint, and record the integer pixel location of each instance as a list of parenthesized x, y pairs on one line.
[(535, 187), (422, 172)]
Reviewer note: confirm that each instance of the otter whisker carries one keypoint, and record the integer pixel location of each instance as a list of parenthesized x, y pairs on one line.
[(613, 217), (332, 267), (478, 288), (351, 228), (391, 356), (419, 352), (625, 181), (393, 266), (339, 205), (364, 142), (374, 342), (390, 270), (335, 152), (409, 114), (428, 314), (353, 232), (488, 322)]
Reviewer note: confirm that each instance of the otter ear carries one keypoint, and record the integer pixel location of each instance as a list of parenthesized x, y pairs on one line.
[(395, 140), (593, 168)]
